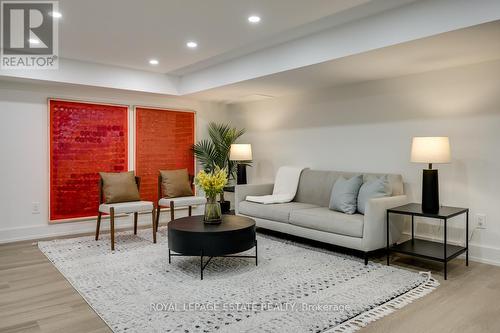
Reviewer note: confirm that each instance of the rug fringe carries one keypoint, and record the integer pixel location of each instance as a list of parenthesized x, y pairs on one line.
[(356, 323)]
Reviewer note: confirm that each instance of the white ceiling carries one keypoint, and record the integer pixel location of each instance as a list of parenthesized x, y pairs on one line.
[(299, 44), (127, 33), (457, 48)]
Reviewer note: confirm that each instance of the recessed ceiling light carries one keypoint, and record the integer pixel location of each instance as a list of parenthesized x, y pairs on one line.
[(55, 14), (153, 62), (191, 44), (254, 19), (33, 41)]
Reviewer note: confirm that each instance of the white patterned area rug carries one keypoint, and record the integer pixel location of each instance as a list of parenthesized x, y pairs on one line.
[(293, 289)]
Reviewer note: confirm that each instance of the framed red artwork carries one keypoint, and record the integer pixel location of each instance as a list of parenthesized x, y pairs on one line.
[(164, 139), (85, 138)]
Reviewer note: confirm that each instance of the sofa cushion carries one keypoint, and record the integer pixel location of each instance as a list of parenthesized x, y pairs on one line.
[(376, 188), (345, 194), (324, 219), (275, 212), (315, 186)]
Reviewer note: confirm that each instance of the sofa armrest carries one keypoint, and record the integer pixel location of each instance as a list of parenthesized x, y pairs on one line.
[(241, 192), (375, 224)]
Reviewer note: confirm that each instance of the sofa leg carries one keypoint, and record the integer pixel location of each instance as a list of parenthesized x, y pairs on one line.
[(366, 258)]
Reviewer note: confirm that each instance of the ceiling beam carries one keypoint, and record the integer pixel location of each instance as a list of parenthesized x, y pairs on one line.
[(413, 21), (104, 76)]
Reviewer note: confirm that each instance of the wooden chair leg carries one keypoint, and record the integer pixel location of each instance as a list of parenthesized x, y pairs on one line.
[(189, 210), (135, 223), (158, 209), (172, 217), (112, 222), (98, 225), (154, 225)]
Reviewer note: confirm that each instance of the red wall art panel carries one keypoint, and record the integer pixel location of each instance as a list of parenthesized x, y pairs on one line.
[(163, 142), (85, 139)]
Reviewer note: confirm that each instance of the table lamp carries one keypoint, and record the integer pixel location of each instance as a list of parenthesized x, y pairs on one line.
[(241, 152), (430, 150)]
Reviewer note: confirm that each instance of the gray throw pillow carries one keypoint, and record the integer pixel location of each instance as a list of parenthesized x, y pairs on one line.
[(345, 194), (373, 189)]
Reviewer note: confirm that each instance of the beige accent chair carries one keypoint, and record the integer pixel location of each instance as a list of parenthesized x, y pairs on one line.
[(173, 202), (112, 209)]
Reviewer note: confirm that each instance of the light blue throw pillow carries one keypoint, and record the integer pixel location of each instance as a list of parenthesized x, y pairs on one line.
[(345, 194), (376, 188)]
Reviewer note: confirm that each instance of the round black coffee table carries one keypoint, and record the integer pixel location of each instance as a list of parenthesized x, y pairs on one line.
[(189, 236)]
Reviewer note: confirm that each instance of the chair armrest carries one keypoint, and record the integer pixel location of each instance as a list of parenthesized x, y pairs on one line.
[(375, 224), (242, 191)]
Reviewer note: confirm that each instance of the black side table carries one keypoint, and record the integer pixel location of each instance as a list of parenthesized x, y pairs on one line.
[(226, 204), (229, 188), (432, 250)]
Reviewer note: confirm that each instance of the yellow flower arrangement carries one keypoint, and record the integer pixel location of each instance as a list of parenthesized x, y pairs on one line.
[(212, 183)]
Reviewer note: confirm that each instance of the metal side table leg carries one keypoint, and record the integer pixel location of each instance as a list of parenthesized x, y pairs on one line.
[(445, 258), (387, 235), (467, 238)]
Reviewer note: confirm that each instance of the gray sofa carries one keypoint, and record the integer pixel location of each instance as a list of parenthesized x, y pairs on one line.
[(308, 215)]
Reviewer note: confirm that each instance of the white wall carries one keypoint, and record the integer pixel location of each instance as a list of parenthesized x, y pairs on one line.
[(24, 151), (369, 126)]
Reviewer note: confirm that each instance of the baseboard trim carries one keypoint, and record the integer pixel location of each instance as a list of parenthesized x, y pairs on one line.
[(35, 232)]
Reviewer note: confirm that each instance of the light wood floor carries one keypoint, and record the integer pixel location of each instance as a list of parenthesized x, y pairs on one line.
[(35, 297)]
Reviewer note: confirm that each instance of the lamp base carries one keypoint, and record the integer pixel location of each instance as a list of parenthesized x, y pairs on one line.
[(430, 191), (225, 206), (241, 174)]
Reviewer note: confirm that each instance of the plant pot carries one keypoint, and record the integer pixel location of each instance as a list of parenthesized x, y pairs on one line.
[(213, 214), (225, 206)]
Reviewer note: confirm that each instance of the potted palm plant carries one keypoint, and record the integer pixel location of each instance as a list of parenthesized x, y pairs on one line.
[(213, 153)]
